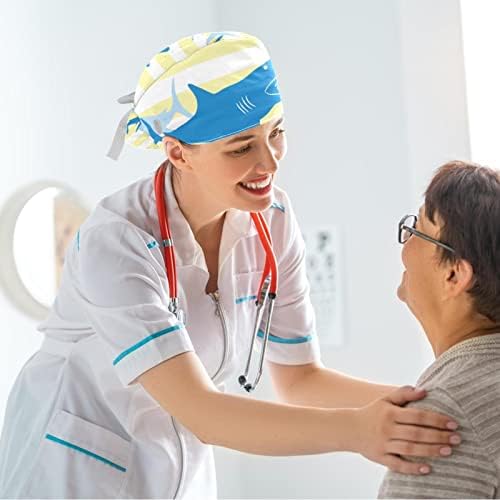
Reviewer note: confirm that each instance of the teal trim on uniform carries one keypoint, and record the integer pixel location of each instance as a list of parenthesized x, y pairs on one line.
[(78, 240), (245, 299), (145, 341), (152, 244), (280, 340), (50, 437), (279, 206)]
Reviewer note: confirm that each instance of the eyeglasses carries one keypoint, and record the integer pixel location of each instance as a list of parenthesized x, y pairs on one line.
[(407, 228)]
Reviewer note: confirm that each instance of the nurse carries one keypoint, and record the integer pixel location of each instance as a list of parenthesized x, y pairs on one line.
[(126, 396)]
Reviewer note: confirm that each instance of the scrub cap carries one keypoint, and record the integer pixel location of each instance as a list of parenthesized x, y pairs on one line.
[(200, 89)]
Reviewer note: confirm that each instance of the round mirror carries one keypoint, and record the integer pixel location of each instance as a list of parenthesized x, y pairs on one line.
[(36, 226)]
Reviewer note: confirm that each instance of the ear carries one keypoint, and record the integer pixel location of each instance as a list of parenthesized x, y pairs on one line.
[(460, 276), (176, 153)]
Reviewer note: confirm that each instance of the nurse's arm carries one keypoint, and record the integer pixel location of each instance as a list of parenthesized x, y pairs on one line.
[(314, 385), (183, 388)]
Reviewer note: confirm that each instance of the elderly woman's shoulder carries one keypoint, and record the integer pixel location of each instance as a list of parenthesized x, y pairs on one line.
[(464, 384)]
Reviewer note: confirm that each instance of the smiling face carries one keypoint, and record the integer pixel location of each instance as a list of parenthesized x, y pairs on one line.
[(235, 172), (422, 281)]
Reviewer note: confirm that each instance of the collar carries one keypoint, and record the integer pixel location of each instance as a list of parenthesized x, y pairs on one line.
[(237, 225), (484, 344)]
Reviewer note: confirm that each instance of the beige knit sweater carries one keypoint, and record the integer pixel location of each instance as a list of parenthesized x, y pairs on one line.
[(463, 383)]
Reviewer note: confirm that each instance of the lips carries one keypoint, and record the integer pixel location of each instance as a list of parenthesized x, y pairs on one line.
[(259, 183), (259, 179), (257, 191)]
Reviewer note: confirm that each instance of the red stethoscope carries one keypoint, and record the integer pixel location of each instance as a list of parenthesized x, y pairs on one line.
[(268, 286)]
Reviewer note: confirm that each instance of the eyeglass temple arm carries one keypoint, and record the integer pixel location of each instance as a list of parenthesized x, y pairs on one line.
[(416, 232)]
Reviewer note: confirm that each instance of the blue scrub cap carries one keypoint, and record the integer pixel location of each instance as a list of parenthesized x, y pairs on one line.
[(200, 89)]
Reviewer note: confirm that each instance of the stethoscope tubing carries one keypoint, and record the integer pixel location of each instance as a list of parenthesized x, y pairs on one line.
[(267, 292), (271, 266), (268, 286), (167, 242)]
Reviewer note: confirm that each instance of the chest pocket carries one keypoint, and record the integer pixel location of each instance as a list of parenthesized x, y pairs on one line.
[(78, 459), (246, 290)]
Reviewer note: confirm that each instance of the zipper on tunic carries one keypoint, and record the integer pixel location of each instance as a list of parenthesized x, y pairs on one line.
[(220, 312)]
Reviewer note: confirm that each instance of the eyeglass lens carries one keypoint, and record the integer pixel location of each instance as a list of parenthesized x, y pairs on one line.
[(409, 222)]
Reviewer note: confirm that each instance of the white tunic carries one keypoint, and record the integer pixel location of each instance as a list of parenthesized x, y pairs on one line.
[(77, 424)]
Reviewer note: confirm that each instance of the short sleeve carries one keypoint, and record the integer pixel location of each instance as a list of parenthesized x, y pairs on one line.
[(125, 293), (293, 339), (467, 473)]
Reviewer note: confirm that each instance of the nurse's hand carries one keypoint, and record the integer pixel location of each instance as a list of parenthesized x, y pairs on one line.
[(387, 431)]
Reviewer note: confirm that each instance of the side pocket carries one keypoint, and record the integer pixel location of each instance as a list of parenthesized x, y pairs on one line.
[(78, 459)]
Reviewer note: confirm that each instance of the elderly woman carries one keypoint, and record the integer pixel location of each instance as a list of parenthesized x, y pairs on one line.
[(451, 283)]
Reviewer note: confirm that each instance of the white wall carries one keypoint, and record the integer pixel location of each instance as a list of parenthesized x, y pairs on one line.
[(434, 82), (481, 42), (374, 99)]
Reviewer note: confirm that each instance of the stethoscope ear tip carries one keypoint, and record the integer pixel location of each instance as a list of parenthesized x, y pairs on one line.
[(243, 382)]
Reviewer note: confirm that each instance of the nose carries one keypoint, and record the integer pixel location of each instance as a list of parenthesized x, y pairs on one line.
[(269, 160), (404, 250)]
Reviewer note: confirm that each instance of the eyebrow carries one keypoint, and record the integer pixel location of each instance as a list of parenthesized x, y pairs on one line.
[(249, 136)]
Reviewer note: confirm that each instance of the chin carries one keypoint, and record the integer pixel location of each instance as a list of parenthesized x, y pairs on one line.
[(257, 205)]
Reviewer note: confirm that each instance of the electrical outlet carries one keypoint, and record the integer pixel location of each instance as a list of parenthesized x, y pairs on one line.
[(324, 274)]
